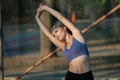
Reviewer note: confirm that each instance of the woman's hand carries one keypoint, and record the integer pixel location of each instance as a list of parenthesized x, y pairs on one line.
[(40, 10), (38, 14), (41, 7)]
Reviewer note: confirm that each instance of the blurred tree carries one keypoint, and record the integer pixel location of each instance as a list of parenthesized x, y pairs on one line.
[(8, 11), (45, 44), (116, 28), (94, 8)]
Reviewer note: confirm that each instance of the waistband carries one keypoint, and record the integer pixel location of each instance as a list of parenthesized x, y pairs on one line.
[(89, 72)]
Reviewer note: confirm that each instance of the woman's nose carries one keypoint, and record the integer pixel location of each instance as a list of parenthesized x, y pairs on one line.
[(56, 37)]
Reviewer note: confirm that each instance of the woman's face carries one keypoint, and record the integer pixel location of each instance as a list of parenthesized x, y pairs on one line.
[(59, 33)]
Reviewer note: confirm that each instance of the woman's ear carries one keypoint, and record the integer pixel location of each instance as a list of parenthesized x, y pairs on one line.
[(64, 28)]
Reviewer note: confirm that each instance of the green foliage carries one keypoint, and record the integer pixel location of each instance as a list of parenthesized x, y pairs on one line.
[(118, 1), (103, 1)]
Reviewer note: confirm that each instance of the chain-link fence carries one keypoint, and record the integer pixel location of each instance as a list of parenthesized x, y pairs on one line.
[(21, 36)]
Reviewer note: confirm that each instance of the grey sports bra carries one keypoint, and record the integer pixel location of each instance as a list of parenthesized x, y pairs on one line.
[(77, 49)]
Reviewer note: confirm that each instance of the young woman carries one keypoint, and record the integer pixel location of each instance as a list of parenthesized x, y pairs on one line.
[(72, 43)]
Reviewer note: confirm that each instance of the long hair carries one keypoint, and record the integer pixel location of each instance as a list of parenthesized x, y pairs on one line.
[(59, 24)]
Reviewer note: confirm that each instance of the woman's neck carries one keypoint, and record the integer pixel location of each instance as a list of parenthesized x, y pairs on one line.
[(68, 39)]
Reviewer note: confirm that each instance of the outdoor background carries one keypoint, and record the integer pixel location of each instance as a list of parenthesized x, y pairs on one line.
[(23, 43)]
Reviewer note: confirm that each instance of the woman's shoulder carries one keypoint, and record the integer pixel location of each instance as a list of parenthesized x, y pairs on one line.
[(78, 36), (79, 39)]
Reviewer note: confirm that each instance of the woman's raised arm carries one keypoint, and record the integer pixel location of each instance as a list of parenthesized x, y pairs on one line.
[(59, 16), (75, 31), (46, 31), (42, 26)]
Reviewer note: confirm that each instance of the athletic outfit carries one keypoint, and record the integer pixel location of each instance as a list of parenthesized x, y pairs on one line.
[(83, 76), (77, 49)]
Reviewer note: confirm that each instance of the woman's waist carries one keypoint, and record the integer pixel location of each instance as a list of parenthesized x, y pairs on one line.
[(79, 69), (79, 65)]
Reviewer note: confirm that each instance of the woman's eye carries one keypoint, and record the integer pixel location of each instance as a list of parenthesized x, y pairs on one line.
[(56, 31)]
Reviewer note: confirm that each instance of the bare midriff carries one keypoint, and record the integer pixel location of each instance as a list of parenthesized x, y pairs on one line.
[(79, 65)]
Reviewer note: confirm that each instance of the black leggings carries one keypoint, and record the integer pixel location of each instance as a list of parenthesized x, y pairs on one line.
[(84, 76)]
